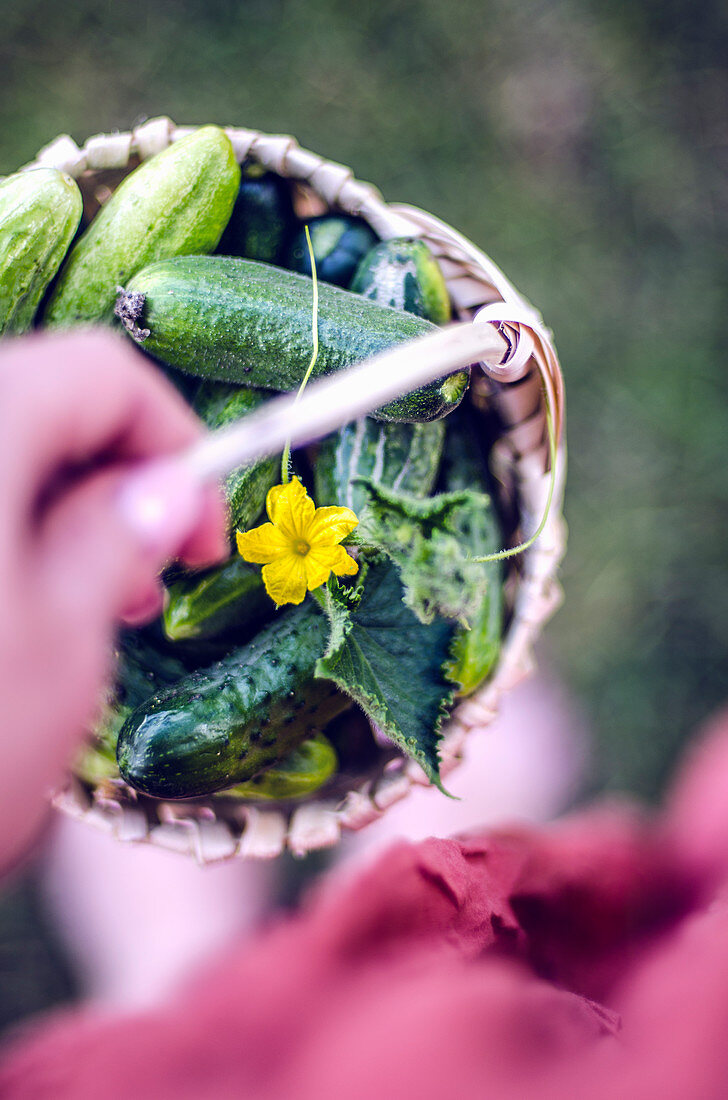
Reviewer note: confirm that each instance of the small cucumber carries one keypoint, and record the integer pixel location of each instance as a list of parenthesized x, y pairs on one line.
[(96, 762), (39, 214), (177, 202), (247, 322), (475, 651), (262, 220), (217, 404), (212, 603), (404, 274), (301, 773), (339, 242), (224, 724), (397, 456)]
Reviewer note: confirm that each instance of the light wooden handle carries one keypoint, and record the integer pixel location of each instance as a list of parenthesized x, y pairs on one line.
[(332, 401)]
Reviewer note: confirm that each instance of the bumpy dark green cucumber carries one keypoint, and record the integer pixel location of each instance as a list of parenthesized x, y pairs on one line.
[(302, 772), (397, 456), (218, 403), (262, 220), (224, 724), (339, 242), (39, 213), (176, 203), (404, 274), (140, 670), (247, 322), (215, 602), (475, 651)]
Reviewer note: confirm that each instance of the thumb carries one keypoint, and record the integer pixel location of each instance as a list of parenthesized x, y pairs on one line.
[(105, 540)]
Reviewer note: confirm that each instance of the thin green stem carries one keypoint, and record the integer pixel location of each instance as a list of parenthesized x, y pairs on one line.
[(514, 550), (286, 456)]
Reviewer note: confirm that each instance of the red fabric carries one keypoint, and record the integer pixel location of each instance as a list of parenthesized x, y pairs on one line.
[(585, 960)]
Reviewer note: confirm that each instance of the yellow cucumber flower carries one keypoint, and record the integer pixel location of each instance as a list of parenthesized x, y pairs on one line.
[(299, 548)]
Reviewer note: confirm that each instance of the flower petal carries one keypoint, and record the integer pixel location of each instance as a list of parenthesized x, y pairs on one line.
[(290, 508), (330, 525), (285, 579), (343, 564), (262, 544), (321, 561), (318, 565)]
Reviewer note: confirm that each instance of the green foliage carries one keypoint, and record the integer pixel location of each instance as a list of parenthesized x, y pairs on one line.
[(391, 664), (432, 542)]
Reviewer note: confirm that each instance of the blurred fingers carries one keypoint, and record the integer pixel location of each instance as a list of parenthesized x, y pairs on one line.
[(74, 401)]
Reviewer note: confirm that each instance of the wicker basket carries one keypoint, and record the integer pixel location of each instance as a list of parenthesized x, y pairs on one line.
[(514, 392)]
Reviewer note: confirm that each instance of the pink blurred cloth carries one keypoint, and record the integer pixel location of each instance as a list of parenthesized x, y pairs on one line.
[(587, 959)]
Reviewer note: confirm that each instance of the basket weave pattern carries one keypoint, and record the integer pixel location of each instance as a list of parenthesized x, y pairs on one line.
[(516, 389)]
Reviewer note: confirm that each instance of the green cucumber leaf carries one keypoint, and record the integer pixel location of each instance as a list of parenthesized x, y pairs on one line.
[(433, 541), (391, 664)]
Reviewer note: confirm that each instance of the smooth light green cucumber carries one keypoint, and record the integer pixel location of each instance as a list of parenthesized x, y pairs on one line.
[(404, 274), (176, 203), (247, 322), (397, 456), (224, 724), (218, 403), (39, 213), (215, 602), (303, 771)]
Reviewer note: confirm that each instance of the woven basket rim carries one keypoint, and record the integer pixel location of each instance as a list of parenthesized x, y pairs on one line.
[(519, 387)]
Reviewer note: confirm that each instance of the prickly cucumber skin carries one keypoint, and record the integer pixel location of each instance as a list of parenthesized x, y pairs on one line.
[(210, 604), (338, 241), (140, 670), (304, 771), (39, 213), (217, 404), (246, 322), (224, 724), (404, 274), (397, 456), (177, 202)]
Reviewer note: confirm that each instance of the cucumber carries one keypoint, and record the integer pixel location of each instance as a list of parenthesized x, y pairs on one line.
[(262, 220), (177, 202), (95, 763), (217, 404), (224, 724), (247, 322), (397, 456), (141, 669), (39, 214), (302, 772), (404, 274), (339, 243), (474, 651), (215, 602)]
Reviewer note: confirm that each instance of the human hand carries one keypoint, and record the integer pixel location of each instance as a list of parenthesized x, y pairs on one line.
[(78, 412)]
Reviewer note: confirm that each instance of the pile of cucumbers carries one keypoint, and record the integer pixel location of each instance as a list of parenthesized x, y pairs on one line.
[(205, 266)]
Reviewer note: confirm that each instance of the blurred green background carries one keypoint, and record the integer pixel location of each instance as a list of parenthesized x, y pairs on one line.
[(583, 145)]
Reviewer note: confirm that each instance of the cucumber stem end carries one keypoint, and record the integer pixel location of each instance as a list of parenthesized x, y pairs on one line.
[(129, 308)]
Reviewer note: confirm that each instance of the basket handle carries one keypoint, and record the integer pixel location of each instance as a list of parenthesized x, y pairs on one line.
[(344, 396)]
